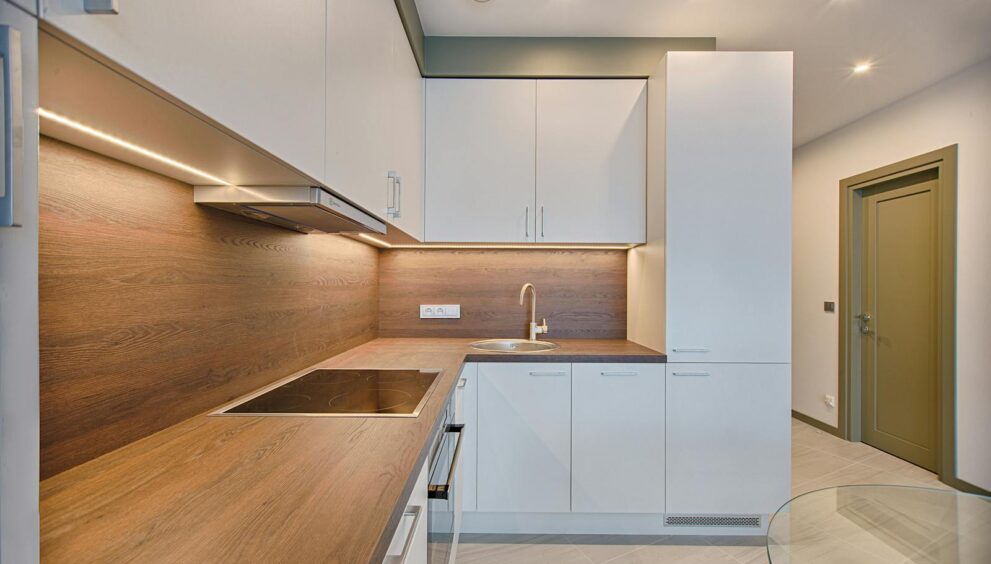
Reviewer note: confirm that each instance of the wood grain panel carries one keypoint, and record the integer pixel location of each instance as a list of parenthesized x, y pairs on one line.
[(582, 293), (154, 309)]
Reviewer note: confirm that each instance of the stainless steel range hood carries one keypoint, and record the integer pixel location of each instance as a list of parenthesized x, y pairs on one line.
[(307, 209)]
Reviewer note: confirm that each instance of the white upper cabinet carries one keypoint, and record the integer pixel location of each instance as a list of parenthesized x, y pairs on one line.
[(617, 438), (480, 151), (374, 110), (545, 161), (255, 68), (591, 161), (728, 205)]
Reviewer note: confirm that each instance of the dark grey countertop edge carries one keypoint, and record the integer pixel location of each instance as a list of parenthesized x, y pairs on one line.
[(545, 357)]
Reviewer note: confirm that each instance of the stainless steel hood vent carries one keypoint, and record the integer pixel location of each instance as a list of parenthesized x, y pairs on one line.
[(307, 209)]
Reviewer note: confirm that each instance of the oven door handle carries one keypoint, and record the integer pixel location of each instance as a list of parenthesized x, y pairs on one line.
[(442, 491)]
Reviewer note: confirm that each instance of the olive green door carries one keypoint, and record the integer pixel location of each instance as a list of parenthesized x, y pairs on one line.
[(898, 323)]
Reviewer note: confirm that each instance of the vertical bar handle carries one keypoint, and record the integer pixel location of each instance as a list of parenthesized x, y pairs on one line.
[(11, 122), (526, 224), (399, 197)]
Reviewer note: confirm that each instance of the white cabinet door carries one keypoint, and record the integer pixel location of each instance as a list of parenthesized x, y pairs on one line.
[(374, 111), (480, 160), (404, 137), (591, 161), (467, 413), (728, 438), (524, 437), (617, 448), (728, 207), (257, 69), (359, 91)]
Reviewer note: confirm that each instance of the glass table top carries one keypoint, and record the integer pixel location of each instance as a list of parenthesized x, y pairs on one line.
[(880, 524)]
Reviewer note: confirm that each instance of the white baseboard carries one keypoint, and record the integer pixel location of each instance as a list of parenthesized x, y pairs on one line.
[(591, 524)]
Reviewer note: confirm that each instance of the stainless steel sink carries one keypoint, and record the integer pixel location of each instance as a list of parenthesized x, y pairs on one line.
[(513, 346)]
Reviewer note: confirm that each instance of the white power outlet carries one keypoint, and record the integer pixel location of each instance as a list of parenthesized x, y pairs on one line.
[(448, 311), (829, 400)]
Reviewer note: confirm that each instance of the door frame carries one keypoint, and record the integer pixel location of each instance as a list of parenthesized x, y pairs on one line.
[(944, 162)]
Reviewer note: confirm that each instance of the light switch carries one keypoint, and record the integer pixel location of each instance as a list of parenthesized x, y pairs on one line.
[(829, 306), (443, 311)]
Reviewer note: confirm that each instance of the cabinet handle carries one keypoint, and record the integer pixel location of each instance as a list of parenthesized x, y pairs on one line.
[(690, 349), (109, 7), (526, 224), (443, 491), (549, 373), (690, 374), (620, 373), (462, 382), (390, 193), (11, 122), (399, 197), (541, 222), (414, 512)]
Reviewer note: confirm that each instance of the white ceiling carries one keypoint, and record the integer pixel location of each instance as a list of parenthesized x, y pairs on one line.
[(912, 43)]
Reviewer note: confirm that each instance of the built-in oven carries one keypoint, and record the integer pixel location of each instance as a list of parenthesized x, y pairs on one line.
[(444, 491)]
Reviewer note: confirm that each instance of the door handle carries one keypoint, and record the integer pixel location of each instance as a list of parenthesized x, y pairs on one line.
[(11, 122), (864, 321), (541, 222), (526, 224), (443, 491)]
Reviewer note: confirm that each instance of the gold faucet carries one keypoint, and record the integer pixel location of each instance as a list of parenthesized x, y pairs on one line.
[(534, 328)]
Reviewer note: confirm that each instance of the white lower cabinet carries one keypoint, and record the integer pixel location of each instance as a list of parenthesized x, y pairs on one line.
[(409, 544), (617, 442), (728, 438), (524, 437)]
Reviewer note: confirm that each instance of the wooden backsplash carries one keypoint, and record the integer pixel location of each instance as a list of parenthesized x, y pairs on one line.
[(582, 293), (154, 309)]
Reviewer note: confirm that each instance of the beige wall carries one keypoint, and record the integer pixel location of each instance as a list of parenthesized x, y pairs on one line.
[(954, 111)]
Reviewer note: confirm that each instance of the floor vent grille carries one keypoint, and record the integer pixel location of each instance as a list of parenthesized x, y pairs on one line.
[(751, 521)]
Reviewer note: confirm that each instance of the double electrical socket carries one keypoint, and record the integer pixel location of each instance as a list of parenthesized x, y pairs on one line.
[(448, 311)]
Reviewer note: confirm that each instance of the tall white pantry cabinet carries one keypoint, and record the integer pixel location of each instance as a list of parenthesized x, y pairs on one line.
[(719, 243)]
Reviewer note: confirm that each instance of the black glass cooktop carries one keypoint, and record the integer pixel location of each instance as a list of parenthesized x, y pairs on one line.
[(354, 393)]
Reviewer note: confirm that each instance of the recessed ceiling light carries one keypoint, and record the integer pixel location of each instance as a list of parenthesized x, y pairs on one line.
[(861, 68)]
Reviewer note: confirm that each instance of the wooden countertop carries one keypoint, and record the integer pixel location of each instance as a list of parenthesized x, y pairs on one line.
[(269, 489)]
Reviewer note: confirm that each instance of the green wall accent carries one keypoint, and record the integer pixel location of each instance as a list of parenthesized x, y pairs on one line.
[(414, 29), (551, 57)]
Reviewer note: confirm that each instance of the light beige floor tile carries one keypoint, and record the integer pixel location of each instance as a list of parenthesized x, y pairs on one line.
[(809, 464), (680, 554), (602, 548), (519, 554)]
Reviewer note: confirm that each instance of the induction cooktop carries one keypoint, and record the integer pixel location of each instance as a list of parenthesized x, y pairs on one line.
[(344, 393)]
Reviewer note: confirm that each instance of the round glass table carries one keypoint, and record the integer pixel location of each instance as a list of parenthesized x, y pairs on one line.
[(879, 524)]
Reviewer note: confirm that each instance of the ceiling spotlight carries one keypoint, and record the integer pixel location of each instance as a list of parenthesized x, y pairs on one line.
[(861, 68)]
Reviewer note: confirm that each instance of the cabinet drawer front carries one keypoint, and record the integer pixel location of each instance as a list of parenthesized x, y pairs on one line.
[(728, 437), (617, 438), (524, 437)]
